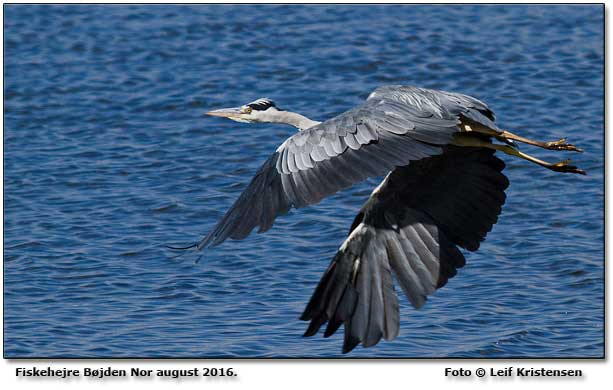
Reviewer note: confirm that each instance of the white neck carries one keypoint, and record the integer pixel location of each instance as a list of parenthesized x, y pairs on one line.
[(292, 119)]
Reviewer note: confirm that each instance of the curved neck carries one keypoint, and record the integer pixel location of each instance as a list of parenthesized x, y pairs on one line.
[(293, 119)]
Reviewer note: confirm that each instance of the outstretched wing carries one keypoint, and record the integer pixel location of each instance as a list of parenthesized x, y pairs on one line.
[(412, 230), (394, 126)]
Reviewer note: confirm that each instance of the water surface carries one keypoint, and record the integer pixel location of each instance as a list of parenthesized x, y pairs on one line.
[(107, 158)]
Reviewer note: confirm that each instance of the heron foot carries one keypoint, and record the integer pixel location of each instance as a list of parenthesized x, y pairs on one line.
[(562, 166), (565, 167), (562, 145)]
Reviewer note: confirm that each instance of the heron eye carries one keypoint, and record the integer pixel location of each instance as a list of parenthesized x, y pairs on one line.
[(247, 110)]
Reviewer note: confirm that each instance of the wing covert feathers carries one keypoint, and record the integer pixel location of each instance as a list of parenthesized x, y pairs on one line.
[(385, 132)]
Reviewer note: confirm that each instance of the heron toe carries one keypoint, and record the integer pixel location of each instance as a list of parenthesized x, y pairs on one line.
[(564, 166), (562, 145)]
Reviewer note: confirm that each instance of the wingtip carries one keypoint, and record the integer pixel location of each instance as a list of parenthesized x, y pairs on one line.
[(206, 242), (313, 327), (350, 344)]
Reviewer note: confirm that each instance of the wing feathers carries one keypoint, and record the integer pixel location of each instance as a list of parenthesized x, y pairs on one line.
[(396, 125), (410, 229), (376, 320)]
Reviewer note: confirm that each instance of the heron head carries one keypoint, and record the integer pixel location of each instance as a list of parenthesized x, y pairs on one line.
[(260, 110)]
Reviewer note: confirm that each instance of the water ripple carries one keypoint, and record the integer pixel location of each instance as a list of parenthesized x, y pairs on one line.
[(108, 159)]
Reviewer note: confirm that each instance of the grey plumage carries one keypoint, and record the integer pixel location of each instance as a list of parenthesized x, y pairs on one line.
[(394, 126), (436, 198)]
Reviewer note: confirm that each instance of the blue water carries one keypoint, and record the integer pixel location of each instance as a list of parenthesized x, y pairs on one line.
[(107, 158)]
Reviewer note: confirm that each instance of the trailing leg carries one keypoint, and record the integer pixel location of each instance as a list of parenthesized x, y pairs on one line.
[(561, 166), (505, 136)]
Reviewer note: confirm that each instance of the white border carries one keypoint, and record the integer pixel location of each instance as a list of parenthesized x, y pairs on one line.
[(309, 374)]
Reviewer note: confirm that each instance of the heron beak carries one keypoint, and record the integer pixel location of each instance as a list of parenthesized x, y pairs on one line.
[(226, 112)]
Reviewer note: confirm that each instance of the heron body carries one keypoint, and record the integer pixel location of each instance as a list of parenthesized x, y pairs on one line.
[(443, 190)]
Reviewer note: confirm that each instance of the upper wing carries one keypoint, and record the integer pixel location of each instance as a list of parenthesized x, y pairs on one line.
[(390, 129)]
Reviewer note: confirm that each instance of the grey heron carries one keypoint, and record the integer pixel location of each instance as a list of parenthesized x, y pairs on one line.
[(443, 190)]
